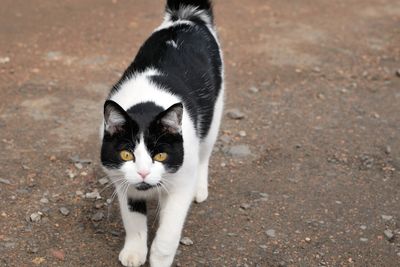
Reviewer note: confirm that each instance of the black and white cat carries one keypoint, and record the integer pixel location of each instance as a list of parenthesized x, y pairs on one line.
[(161, 121)]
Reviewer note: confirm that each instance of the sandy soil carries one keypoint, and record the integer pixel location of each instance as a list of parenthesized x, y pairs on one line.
[(316, 81)]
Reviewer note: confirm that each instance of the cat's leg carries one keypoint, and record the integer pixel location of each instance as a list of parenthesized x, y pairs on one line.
[(172, 217), (206, 148), (133, 213)]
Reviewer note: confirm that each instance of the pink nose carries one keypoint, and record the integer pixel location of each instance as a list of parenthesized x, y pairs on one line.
[(143, 174)]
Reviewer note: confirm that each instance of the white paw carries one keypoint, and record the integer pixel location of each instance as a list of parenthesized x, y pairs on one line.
[(161, 255), (201, 194), (132, 256)]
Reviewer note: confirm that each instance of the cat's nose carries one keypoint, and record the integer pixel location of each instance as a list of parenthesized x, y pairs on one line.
[(143, 174)]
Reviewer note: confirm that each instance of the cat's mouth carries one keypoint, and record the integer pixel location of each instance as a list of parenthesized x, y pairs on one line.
[(143, 186)]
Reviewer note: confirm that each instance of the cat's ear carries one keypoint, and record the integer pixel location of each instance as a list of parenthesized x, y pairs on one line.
[(115, 117), (171, 119)]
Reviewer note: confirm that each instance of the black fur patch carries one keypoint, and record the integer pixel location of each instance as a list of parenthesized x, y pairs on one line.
[(137, 206)]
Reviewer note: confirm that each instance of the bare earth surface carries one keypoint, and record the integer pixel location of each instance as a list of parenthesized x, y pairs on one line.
[(316, 81)]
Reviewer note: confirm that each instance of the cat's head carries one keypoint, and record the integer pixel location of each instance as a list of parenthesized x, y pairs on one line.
[(143, 144)]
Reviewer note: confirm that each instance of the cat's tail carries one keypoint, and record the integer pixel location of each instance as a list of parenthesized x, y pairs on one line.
[(194, 10)]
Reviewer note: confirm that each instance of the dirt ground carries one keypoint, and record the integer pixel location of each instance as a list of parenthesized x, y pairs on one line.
[(316, 81)]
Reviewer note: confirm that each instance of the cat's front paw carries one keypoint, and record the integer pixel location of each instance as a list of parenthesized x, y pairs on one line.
[(201, 194), (132, 256), (160, 257)]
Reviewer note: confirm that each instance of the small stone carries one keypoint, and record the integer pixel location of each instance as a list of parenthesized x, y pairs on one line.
[(363, 239), (307, 239), (263, 246), (386, 217), (44, 200), (245, 206), (363, 227), (254, 89), (70, 174), (79, 193), (53, 158), (5, 181), (58, 254), (388, 149), (389, 234), (239, 151), (263, 194), (32, 248), (103, 181), (78, 165), (98, 216), (235, 114), (77, 159), (64, 211), (93, 195), (271, 233), (242, 133), (4, 60), (186, 241), (398, 73), (317, 69), (36, 216)]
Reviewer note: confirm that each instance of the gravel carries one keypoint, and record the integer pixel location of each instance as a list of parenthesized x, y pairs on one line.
[(186, 241), (103, 181), (388, 234), (239, 151), (235, 114), (398, 73), (5, 181), (93, 195), (386, 217), (64, 211), (44, 200), (271, 233), (36, 216), (363, 239), (98, 216), (245, 206)]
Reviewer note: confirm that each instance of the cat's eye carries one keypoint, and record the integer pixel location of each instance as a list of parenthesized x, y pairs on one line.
[(160, 156), (126, 155)]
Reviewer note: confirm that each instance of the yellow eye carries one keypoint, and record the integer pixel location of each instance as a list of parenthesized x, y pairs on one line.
[(126, 155), (160, 157)]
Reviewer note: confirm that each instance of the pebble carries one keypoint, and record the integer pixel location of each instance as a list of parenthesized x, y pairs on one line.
[(103, 181), (386, 217), (235, 114), (5, 181), (58, 254), (363, 227), (44, 200), (398, 73), (263, 246), (4, 60), (245, 206), (36, 216), (93, 195), (78, 165), (363, 239), (242, 133), (79, 193), (77, 159), (98, 216), (254, 89), (186, 241), (239, 151), (70, 174), (64, 211), (271, 233), (307, 239), (389, 234)]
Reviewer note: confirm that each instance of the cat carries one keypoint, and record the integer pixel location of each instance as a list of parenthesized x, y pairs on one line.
[(161, 120)]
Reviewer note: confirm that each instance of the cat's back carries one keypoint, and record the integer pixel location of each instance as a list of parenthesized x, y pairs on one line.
[(181, 60)]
